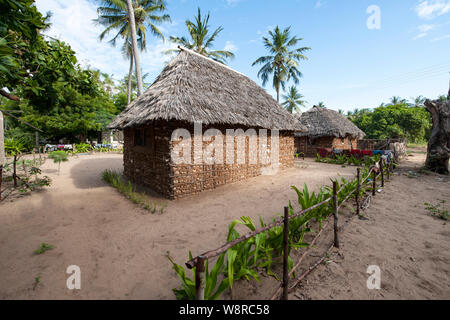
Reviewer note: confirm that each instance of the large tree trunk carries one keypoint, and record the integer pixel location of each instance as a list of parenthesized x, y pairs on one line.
[(130, 78), (135, 47), (439, 144)]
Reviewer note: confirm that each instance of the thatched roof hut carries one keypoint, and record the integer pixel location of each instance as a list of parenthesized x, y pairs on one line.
[(194, 88), (326, 129), (323, 122)]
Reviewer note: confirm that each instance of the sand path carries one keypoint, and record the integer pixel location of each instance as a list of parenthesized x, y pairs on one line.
[(411, 247), (120, 248)]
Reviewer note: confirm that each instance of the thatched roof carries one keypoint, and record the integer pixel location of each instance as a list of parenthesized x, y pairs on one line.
[(323, 122), (194, 88)]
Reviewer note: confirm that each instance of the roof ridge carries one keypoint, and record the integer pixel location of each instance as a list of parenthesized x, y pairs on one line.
[(211, 60)]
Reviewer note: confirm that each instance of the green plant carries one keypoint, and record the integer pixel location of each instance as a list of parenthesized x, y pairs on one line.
[(37, 280), (212, 290), (43, 248), (438, 210), (115, 180), (58, 157), (83, 148)]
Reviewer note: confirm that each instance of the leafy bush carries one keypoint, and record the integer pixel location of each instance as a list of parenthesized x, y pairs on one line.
[(83, 147), (245, 259)]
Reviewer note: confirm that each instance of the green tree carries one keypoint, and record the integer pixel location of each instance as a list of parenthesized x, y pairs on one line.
[(283, 61), (394, 121), (58, 157), (321, 105), (293, 100), (114, 16), (201, 41), (20, 24)]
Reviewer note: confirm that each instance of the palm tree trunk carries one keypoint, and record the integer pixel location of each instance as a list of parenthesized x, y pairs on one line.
[(130, 78), (135, 47)]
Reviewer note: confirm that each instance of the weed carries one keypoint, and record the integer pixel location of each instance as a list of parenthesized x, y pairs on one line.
[(37, 280), (44, 247), (437, 210)]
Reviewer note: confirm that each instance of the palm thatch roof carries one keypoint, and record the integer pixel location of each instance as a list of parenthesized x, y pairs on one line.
[(194, 88), (323, 122)]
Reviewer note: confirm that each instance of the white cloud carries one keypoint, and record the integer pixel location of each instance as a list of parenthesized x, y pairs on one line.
[(230, 46), (430, 9), (72, 23)]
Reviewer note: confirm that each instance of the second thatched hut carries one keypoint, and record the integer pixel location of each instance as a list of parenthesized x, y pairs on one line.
[(326, 129)]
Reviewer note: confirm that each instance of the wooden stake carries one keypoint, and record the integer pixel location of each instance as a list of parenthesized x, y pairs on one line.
[(200, 279), (336, 213), (374, 183), (1, 177), (382, 172), (286, 254), (358, 189)]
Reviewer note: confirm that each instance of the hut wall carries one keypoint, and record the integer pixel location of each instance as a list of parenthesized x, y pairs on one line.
[(193, 179), (303, 144), (154, 168), (149, 167)]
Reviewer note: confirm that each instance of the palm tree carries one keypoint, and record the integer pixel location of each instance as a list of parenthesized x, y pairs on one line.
[(397, 100), (113, 14), (284, 59), (200, 40), (418, 101), (321, 105), (135, 45), (293, 100)]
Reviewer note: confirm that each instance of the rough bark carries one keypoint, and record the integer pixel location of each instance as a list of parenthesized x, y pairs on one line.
[(439, 144), (130, 78), (137, 61)]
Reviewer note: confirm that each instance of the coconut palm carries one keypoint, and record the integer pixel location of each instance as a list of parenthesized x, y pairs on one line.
[(418, 101), (293, 100), (397, 100), (283, 60), (321, 105), (201, 41), (113, 14)]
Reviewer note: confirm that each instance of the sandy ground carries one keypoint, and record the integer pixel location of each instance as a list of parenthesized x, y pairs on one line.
[(411, 247), (121, 248)]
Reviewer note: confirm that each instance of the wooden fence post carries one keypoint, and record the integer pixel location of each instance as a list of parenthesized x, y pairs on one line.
[(1, 177), (374, 183), (358, 189), (200, 279), (336, 213), (286, 254), (389, 171), (382, 172)]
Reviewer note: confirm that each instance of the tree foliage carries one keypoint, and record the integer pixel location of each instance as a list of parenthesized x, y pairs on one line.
[(394, 121), (53, 92)]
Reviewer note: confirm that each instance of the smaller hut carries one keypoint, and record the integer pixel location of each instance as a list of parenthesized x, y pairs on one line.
[(327, 129)]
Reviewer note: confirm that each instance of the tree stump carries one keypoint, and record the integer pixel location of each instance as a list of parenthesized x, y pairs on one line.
[(439, 144)]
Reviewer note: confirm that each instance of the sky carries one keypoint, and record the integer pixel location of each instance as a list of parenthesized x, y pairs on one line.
[(362, 52)]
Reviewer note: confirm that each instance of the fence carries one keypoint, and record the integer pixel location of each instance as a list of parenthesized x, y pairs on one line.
[(199, 261), (38, 160)]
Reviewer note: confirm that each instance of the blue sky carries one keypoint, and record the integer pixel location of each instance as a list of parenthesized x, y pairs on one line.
[(350, 66)]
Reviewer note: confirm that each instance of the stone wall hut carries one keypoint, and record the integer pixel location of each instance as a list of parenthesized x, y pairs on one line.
[(326, 129), (195, 89)]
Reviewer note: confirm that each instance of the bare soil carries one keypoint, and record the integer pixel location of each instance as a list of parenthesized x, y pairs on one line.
[(121, 248)]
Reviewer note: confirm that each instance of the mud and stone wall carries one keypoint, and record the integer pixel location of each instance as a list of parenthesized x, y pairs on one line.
[(152, 165), (310, 146)]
